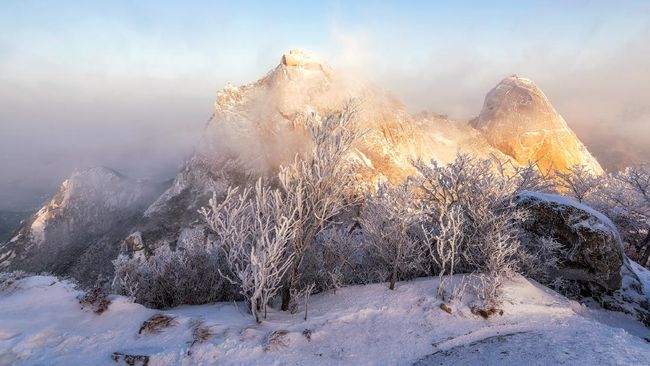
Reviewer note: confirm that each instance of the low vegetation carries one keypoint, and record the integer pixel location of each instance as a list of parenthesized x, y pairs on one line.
[(156, 324)]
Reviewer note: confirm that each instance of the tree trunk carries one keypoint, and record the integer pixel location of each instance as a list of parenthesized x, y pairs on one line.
[(286, 290), (646, 244), (393, 277), (391, 286), (255, 310), (286, 297)]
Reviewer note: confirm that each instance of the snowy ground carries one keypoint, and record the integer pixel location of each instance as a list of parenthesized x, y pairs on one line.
[(41, 323)]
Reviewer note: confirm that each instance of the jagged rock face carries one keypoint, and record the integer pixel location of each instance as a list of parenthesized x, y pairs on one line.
[(592, 248), (263, 123), (173, 219), (519, 120), (77, 232)]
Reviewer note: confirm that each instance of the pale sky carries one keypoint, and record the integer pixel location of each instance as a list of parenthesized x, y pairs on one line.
[(129, 84)]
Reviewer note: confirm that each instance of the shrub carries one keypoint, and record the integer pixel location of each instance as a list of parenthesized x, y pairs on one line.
[(388, 219), (172, 278), (95, 299)]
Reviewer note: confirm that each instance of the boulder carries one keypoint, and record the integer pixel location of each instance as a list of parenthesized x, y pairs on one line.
[(592, 249), (592, 258), (299, 58)]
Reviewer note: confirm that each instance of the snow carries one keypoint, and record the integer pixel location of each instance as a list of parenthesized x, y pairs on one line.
[(37, 229), (644, 276), (41, 323)]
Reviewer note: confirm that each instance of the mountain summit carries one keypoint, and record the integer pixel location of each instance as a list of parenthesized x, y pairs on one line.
[(519, 120), (262, 124)]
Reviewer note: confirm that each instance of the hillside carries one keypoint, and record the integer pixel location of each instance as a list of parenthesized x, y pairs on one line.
[(359, 325), (78, 231)]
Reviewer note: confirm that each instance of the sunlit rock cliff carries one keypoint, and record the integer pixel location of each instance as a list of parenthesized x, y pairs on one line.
[(518, 120)]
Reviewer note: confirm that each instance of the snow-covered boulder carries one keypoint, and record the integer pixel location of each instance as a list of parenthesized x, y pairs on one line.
[(592, 252), (592, 257)]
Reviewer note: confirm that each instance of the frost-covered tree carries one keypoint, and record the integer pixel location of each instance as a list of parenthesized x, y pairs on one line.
[(388, 218), (443, 241), (254, 229), (625, 198), (319, 185), (527, 177), (334, 259), (472, 219), (577, 182)]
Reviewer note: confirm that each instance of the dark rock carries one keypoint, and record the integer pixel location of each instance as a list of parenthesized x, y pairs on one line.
[(486, 313), (592, 252), (592, 260), (131, 360)]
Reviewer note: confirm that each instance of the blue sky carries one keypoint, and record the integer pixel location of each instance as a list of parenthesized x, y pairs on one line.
[(99, 82), (239, 39)]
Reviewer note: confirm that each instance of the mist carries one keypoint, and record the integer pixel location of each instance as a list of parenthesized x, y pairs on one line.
[(132, 88), (601, 89)]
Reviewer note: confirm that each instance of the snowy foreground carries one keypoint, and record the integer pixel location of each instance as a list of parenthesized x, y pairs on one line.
[(41, 323)]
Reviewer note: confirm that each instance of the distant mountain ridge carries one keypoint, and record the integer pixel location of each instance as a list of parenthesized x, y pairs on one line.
[(78, 231)]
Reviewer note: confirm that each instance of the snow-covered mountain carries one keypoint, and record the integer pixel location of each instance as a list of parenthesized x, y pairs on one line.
[(77, 232), (259, 126)]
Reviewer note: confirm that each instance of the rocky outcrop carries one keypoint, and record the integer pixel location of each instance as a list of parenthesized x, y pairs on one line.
[(592, 251), (519, 120), (174, 214), (78, 231), (592, 263), (300, 58)]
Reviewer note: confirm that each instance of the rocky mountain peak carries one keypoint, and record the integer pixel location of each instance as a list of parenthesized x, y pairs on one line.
[(519, 120), (521, 96), (299, 58)]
